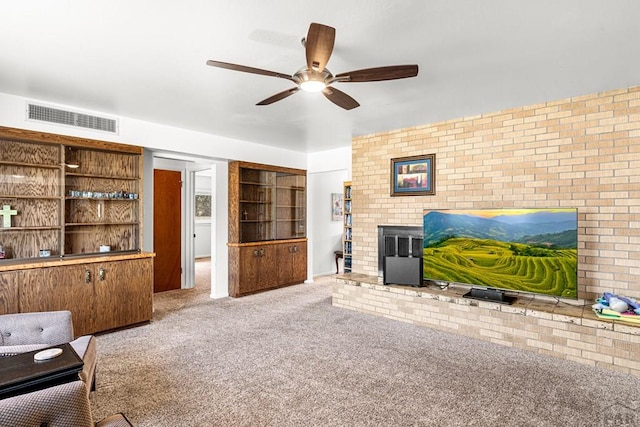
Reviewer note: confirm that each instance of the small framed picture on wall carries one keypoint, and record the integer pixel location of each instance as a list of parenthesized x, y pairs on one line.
[(413, 176), (337, 208)]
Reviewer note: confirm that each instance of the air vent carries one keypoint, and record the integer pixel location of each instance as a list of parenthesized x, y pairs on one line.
[(71, 118)]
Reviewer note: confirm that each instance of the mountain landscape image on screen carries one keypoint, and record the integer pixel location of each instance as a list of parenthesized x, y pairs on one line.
[(525, 250)]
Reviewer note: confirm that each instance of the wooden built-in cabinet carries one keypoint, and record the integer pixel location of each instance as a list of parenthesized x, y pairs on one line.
[(267, 227), (73, 242), (101, 293)]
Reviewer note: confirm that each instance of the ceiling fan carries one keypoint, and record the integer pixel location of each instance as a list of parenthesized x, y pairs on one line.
[(316, 78)]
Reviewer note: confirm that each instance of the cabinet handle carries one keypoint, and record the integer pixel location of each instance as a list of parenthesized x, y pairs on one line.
[(262, 252), (295, 249), (87, 276), (101, 273), (255, 253)]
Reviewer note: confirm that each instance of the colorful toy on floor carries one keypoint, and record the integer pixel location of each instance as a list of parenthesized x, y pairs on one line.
[(615, 307)]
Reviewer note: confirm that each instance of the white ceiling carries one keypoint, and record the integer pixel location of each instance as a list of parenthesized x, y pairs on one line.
[(146, 59)]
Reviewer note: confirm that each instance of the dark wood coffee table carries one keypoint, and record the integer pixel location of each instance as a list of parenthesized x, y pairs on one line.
[(22, 374)]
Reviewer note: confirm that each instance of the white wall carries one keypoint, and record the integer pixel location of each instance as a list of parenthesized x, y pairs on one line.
[(155, 136), (326, 173)]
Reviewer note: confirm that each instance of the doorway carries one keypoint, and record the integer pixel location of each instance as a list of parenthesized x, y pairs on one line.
[(204, 207), (167, 220)]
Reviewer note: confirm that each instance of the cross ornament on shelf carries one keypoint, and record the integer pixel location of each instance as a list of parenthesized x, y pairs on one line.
[(6, 212)]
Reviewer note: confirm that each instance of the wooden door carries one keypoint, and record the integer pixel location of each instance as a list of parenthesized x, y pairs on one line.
[(167, 222)]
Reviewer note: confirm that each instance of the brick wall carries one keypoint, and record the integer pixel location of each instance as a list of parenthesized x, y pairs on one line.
[(580, 152), (558, 330)]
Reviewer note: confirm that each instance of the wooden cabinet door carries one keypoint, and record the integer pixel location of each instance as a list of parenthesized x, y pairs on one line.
[(124, 292), (292, 263), (60, 288), (136, 290), (9, 299), (299, 262), (108, 314), (284, 265), (268, 262), (248, 270), (257, 268)]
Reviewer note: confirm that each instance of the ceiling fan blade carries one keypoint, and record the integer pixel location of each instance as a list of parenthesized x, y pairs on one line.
[(319, 45), (245, 69), (340, 98), (278, 96), (379, 73)]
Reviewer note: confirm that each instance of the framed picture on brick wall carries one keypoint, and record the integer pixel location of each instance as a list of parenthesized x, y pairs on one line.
[(413, 176)]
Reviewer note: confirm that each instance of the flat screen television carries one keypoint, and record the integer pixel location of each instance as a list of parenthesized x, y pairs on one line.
[(497, 250)]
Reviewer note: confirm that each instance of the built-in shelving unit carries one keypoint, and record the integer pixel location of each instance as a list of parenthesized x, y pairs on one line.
[(267, 227), (101, 202), (67, 200), (347, 243), (31, 193), (72, 236)]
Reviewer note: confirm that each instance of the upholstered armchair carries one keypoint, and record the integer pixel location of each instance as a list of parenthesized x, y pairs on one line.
[(62, 405), (24, 332)]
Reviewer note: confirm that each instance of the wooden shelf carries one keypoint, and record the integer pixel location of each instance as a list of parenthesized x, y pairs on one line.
[(13, 196), (259, 184), (30, 228), (30, 165), (89, 224), (89, 175), (290, 188), (100, 199)]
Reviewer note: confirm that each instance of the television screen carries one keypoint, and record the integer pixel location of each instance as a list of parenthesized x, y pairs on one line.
[(523, 250)]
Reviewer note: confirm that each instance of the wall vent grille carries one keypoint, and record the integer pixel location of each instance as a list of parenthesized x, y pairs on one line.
[(71, 118)]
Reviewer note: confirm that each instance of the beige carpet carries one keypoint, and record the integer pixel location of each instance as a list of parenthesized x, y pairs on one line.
[(288, 358)]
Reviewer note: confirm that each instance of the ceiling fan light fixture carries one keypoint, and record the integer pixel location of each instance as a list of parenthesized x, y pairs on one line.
[(312, 85)]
